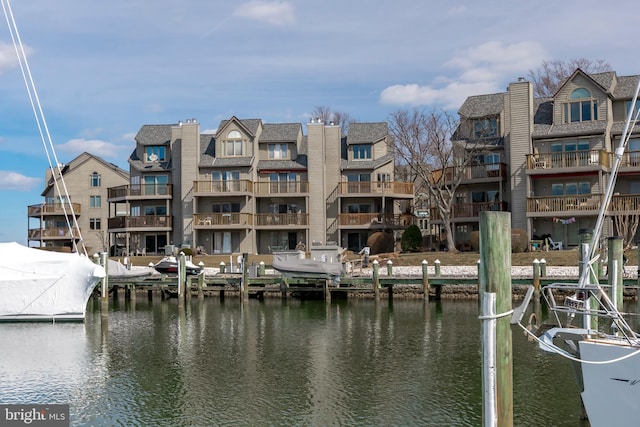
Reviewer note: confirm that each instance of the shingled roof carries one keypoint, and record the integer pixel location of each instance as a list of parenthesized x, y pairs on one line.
[(154, 134), (360, 133), (280, 132)]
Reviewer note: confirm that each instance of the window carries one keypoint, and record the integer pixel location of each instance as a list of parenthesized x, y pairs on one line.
[(95, 201), (485, 128), (95, 179), (233, 145), (362, 151), (95, 224), (154, 153), (226, 180), (628, 107), (283, 182), (570, 188), (580, 108), (225, 207), (277, 151), (156, 185), (384, 177), (155, 210), (359, 183)]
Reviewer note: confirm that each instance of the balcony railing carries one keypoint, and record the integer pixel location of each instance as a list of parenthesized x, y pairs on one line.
[(470, 210), (580, 203), (53, 209), (53, 233), (625, 204), (205, 220), (223, 186), (283, 219), (146, 221), (471, 172), (570, 159), (374, 220), (140, 190), (293, 187), (376, 188)]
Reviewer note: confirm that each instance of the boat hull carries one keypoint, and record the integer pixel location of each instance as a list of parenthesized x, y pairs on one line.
[(612, 390), (37, 285)]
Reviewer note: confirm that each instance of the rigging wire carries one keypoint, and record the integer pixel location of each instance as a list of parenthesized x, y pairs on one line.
[(47, 142)]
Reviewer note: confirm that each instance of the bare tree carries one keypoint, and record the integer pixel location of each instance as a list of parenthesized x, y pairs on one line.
[(626, 225), (422, 144), (547, 78), (327, 115)]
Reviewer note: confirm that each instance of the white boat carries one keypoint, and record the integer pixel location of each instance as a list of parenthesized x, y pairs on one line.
[(606, 353), (38, 285), (308, 268)]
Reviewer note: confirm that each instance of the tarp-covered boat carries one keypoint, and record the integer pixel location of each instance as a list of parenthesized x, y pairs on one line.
[(44, 285)]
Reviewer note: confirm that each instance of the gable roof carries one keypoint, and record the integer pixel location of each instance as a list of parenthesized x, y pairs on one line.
[(280, 132), (479, 106), (367, 132)]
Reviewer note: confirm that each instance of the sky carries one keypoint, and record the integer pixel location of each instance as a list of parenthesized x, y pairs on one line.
[(103, 69)]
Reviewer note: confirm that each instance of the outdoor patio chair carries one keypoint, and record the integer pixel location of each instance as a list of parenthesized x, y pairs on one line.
[(554, 246)]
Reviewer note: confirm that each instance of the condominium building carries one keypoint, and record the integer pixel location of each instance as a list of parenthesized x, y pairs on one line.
[(86, 179), (255, 187), (547, 160)]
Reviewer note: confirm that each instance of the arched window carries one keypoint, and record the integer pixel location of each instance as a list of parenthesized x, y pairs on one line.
[(582, 107), (233, 145), (95, 179)]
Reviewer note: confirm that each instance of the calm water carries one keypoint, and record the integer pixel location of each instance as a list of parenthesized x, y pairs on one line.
[(276, 363)]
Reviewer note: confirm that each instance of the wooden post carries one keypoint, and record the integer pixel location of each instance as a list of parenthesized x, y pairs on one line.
[(181, 278), (495, 281), (284, 285), (425, 280), (376, 279), (104, 300), (261, 269), (201, 285), (245, 277), (543, 268), (327, 290), (536, 279), (222, 267), (584, 238), (132, 293), (615, 254), (389, 268), (436, 266)]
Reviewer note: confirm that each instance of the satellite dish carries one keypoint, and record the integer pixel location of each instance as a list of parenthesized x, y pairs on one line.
[(153, 157)]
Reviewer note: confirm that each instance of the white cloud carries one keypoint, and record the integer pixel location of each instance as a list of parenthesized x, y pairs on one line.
[(271, 12), (15, 181), (75, 147), (8, 58), (485, 68)]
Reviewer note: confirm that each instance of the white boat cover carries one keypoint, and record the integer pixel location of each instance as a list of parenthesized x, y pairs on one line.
[(44, 285), (117, 269), (308, 267)]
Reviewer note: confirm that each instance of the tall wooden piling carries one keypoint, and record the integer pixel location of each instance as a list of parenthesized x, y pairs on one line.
[(425, 280), (245, 277), (181, 278), (615, 263), (495, 282), (536, 279), (104, 294), (376, 279)]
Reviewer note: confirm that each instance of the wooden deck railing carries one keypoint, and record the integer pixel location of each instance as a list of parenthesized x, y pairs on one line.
[(159, 221), (376, 187), (282, 219), (139, 190), (222, 219), (223, 186), (53, 209), (569, 159), (374, 220)]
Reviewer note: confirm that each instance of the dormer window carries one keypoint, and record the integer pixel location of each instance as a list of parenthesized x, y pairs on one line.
[(362, 151), (233, 145), (277, 151), (154, 153), (582, 107), (485, 128)]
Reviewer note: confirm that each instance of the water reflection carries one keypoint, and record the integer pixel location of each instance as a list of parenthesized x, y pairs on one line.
[(276, 363)]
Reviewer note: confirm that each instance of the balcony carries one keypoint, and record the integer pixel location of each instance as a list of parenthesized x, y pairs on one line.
[(544, 162), (222, 187), (62, 233), (374, 220), (469, 211), (295, 188), (222, 220), (376, 188), (583, 204), (139, 192), (485, 172), (625, 204), (36, 211), (282, 219), (140, 223)]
